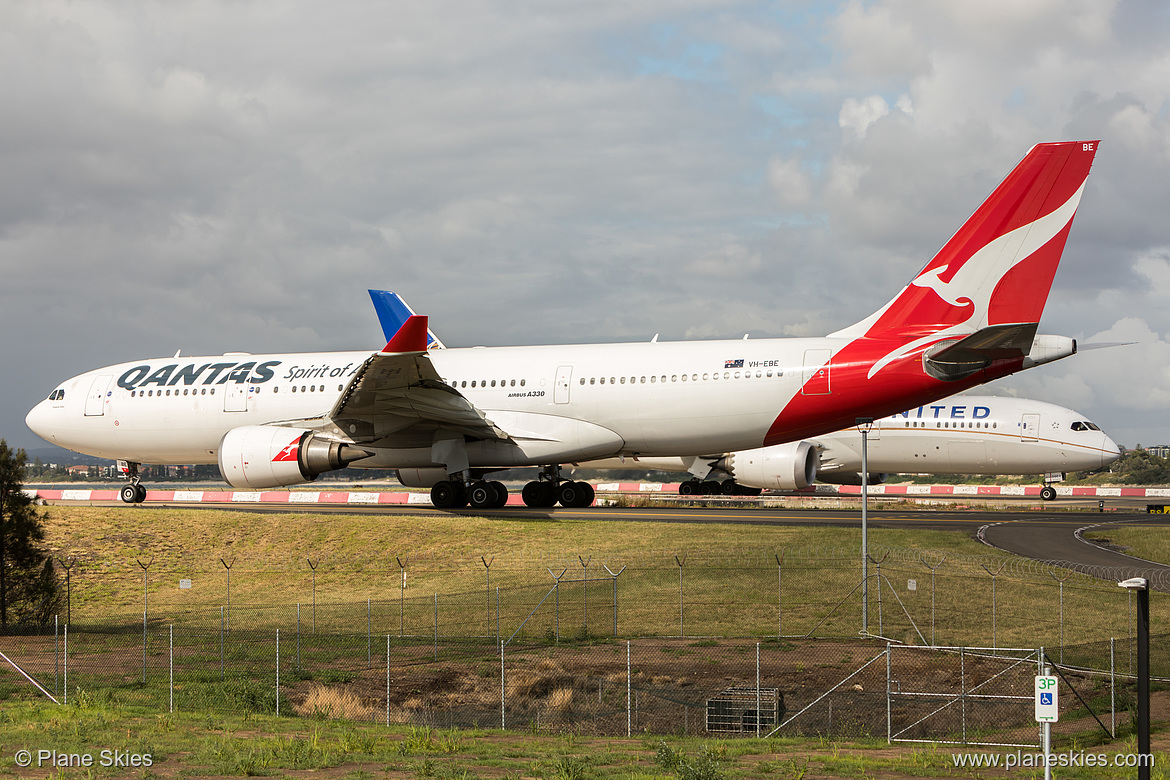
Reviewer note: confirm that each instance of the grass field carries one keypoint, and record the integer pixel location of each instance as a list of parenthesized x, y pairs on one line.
[(729, 583), (355, 559), (193, 746), (1150, 544)]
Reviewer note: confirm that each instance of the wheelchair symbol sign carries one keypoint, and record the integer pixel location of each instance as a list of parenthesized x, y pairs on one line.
[(1046, 699)]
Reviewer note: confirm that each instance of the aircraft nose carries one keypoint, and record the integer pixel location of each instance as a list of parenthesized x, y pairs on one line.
[(1109, 451), (38, 422)]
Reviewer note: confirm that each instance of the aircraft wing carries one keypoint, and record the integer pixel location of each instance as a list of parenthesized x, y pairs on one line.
[(397, 398)]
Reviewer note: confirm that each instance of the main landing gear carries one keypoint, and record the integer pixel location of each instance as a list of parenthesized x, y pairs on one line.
[(550, 489), (547, 491), (133, 492), (481, 494), (710, 487), (1048, 493)]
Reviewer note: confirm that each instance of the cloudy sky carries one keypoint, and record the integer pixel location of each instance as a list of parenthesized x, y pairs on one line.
[(221, 176)]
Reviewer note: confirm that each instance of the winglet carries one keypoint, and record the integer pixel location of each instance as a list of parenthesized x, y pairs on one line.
[(411, 337)]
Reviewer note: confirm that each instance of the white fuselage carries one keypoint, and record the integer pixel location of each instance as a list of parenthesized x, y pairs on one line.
[(646, 398), (957, 435)]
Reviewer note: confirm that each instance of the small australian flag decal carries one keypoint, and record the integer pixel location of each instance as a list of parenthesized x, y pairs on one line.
[(733, 363)]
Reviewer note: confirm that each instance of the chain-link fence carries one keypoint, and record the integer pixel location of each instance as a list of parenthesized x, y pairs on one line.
[(914, 596), (735, 643), (722, 687)]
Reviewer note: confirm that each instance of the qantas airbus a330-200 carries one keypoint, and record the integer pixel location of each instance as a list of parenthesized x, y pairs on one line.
[(970, 316)]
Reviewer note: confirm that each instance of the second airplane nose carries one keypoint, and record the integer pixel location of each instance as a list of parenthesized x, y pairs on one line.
[(1109, 451)]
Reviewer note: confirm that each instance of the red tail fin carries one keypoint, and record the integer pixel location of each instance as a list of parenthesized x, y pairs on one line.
[(998, 268)]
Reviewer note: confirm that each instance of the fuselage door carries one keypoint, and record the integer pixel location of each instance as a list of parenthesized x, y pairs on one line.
[(815, 378), (95, 402), (235, 397), (564, 379), (1030, 427)]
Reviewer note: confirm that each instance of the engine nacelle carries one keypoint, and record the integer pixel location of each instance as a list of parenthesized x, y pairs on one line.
[(791, 466), (421, 478), (254, 457)]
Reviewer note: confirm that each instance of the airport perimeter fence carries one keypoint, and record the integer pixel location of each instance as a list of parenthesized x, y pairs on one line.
[(665, 644), (842, 688), (912, 596)]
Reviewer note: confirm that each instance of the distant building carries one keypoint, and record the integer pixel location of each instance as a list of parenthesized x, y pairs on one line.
[(1161, 450), (78, 471)]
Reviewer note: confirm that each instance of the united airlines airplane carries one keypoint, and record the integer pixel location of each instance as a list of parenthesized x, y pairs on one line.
[(966, 434), (455, 415)]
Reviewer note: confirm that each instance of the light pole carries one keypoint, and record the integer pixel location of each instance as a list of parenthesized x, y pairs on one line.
[(1141, 586), (864, 424)]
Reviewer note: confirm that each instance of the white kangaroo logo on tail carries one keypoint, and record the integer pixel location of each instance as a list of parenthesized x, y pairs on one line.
[(975, 281)]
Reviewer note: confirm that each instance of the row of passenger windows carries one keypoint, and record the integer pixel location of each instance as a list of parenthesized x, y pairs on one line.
[(485, 383), (621, 380), (211, 391), (950, 424)]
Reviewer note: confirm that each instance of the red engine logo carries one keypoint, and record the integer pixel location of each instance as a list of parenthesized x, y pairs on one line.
[(289, 453)]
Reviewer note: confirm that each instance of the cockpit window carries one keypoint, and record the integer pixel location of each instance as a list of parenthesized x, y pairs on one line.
[(57, 395), (1084, 426)]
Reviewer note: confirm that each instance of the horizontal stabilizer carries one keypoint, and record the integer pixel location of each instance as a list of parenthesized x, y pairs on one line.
[(951, 360)]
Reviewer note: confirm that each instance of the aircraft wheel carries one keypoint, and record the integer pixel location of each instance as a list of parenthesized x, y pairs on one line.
[(539, 495), (129, 494), (140, 489), (1048, 493), (710, 488), (448, 495), (729, 487), (482, 495), (570, 494), (501, 495), (688, 488), (587, 495)]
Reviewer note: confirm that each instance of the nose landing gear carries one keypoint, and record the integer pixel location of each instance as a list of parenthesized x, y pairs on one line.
[(134, 492)]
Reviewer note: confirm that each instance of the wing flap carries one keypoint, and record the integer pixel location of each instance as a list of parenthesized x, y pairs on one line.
[(399, 392)]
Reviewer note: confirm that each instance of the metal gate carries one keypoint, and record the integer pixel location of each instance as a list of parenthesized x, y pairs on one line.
[(969, 696)]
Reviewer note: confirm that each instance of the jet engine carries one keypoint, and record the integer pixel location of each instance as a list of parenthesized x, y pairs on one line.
[(791, 466), (255, 457), (421, 478)]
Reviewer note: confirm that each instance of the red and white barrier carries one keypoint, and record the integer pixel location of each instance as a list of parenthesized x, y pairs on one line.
[(514, 499)]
